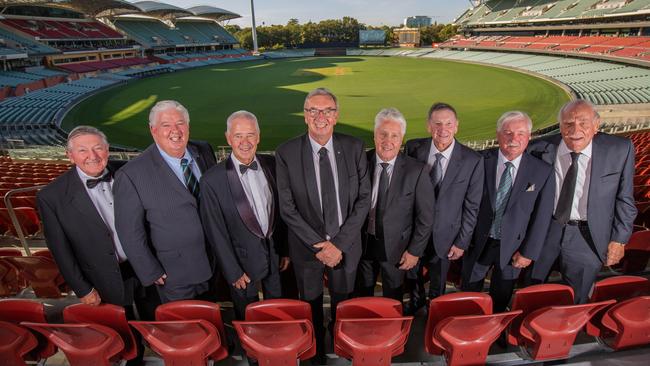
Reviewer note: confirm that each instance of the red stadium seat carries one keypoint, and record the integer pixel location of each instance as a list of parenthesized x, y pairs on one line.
[(455, 304), (637, 253), (17, 311), (10, 281), (108, 315), (617, 288), (83, 344), (41, 272), (194, 310), (280, 342), (548, 333), (15, 344), (629, 322), (370, 330), (466, 340), (535, 297), (181, 342), (27, 218)]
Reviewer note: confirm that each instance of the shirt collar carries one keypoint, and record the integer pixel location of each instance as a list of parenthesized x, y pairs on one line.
[(315, 146), (564, 150), (390, 162), (84, 177), (446, 153), (237, 163), (515, 162), (175, 161)]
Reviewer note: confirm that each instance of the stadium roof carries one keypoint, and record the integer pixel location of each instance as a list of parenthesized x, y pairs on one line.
[(162, 10), (90, 7), (212, 12)]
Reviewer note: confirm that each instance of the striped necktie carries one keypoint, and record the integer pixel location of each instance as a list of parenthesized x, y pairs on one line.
[(190, 179), (503, 193)]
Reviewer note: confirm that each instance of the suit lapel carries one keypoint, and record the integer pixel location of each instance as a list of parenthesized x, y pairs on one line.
[(168, 175), (520, 181), (452, 168), (342, 172), (81, 201), (491, 162), (241, 201), (310, 178), (395, 177), (598, 153), (422, 153), (198, 158), (274, 201)]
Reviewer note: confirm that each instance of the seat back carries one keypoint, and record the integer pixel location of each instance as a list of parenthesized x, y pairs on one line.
[(536, 297), (108, 315), (369, 307), (629, 321), (15, 343), (549, 333), (276, 342), (371, 341), (637, 252), (41, 272), (83, 344), (617, 288), (466, 340), (278, 309), (194, 310), (181, 342), (455, 304), (17, 311), (10, 280)]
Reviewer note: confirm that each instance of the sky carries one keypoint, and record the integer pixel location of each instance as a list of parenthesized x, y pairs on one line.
[(377, 12)]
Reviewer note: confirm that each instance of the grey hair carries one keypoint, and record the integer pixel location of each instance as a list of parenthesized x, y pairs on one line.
[(84, 130), (242, 114), (164, 105), (321, 91), (390, 114), (514, 115), (575, 103)]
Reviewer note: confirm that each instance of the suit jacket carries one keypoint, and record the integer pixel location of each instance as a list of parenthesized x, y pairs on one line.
[(231, 227), (408, 216), (459, 197), (300, 203), (80, 240), (528, 211), (610, 206), (157, 219)]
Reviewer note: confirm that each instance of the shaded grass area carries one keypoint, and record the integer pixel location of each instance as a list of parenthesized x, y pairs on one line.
[(274, 90)]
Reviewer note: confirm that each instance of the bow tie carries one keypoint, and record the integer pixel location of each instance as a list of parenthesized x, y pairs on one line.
[(243, 168), (92, 183)]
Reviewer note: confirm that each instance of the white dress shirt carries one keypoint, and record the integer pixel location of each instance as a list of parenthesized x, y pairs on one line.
[(581, 194), (444, 161), (175, 165), (102, 198), (501, 166), (315, 147), (375, 188), (257, 192)]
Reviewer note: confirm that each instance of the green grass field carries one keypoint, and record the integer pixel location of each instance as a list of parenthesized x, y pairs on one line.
[(275, 91)]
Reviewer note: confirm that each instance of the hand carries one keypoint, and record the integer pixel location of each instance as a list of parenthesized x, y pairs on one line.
[(519, 261), (615, 252), (455, 253), (161, 280), (242, 282), (408, 261), (329, 254), (284, 263), (92, 298)]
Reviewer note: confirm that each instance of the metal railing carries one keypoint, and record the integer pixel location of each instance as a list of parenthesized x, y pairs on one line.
[(14, 218)]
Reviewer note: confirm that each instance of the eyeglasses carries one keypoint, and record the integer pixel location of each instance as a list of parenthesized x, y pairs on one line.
[(314, 112)]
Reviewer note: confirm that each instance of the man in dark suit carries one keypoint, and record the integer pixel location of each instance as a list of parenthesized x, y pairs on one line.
[(241, 219), (324, 192), (79, 223), (456, 173), (514, 215), (594, 203), (401, 214), (156, 207)]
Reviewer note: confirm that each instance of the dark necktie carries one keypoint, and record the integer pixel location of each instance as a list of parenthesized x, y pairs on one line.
[(565, 201), (328, 194), (92, 183), (501, 200), (380, 205), (190, 179), (243, 168), (436, 173)]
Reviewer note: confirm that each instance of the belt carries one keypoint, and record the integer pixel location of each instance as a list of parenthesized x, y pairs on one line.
[(577, 222)]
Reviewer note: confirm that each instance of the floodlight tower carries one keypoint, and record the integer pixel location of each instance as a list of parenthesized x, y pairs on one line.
[(476, 3), (254, 32)]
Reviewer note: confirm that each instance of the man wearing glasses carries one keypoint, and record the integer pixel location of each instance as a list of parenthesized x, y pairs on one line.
[(324, 192)]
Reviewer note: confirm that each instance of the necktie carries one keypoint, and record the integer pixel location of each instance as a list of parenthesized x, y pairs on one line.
[(503, 193), (328, 194), (92, 183), (243, 168), (565, 201), (190, 180), (380, 205), (436, 173)]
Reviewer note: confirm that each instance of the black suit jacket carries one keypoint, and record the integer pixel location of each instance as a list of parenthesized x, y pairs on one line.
[(79, 240), (459, 197), (528, 212), (157, 219), (231, 227), (610, 208), (408, 216)]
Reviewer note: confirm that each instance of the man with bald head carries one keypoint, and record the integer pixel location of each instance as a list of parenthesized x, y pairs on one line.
[(594, 207), (514, 215)]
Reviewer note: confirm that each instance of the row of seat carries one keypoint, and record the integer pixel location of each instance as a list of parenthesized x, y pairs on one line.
[(38, 271)]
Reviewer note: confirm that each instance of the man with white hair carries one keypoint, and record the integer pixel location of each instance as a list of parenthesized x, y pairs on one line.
[(514, 215), (398, 227), (156, 207), (241, 218)]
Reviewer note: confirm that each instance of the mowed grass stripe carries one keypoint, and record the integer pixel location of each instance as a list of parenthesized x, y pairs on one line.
[(275, 90)]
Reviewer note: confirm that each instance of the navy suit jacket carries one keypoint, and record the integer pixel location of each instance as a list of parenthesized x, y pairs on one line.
[(610, 206)]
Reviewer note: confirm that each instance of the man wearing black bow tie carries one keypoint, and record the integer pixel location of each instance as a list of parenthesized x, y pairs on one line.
[(239, 210), (79, 222)]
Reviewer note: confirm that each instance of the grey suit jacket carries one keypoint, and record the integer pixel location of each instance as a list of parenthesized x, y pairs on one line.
[(459, 197), (610, 207), (157, 219)]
